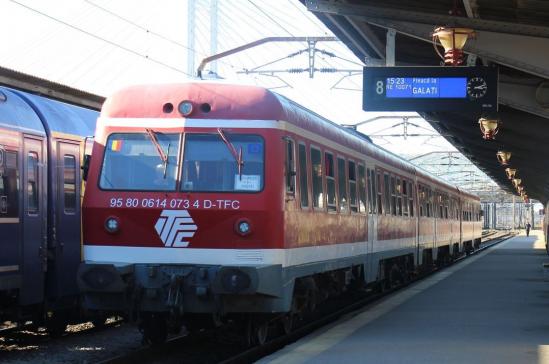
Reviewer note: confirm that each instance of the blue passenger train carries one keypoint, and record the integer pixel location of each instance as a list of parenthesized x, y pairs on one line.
[(42, 142)]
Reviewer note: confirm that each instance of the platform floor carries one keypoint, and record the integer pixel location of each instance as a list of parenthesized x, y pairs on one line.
[(490, 308)]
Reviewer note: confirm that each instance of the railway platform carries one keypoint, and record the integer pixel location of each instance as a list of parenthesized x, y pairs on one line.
[(490, 308)]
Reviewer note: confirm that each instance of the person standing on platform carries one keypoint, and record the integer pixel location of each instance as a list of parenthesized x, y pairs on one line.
[(528, 226)]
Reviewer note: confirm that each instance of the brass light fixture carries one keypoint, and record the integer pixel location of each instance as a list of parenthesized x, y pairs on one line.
[(503, 157), (516, 182), (510, 172), (453, 40), (489, 128)]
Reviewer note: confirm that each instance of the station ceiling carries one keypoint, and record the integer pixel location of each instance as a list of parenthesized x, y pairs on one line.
[(513, 35)]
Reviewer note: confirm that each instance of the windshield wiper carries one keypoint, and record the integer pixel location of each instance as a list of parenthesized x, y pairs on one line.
[(237, 155), (163, 156)]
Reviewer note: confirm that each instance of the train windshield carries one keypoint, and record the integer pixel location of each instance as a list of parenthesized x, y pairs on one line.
[(132, 162), (209, 166)]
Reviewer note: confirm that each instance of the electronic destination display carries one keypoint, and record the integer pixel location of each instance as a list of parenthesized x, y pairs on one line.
[(426, 87), (430, 89)]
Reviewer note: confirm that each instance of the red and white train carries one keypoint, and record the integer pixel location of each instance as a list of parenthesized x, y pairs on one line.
[(207, 201)]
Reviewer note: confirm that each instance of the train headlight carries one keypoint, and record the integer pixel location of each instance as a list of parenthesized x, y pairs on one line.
[(185, 108), (112, 225), (243, 227)]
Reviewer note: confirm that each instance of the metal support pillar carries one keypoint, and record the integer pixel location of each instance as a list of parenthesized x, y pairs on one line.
[(213, 33), (191, 24), (390, 48), (494, 215)]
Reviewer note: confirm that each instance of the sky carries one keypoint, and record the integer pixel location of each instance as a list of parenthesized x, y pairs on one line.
[(100, 46)]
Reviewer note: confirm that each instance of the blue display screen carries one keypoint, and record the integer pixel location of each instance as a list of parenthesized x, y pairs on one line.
[(426, 87)]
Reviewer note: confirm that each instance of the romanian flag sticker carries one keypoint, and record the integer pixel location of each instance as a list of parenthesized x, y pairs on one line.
[(116, 145)]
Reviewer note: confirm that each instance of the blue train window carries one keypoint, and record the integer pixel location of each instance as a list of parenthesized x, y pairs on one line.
[(69, 183), (32, 183), (9, 185)]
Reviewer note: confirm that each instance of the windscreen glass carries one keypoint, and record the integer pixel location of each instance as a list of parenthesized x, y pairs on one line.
[(211, 163), (140, 161)]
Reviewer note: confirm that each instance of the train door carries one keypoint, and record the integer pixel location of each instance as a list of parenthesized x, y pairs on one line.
[(67, 241), (34, 222)]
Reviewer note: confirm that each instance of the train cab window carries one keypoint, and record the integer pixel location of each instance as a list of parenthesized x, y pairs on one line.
[(9, 184), (411, 198), (318, 187), (330, 181), (352, 186), (223, 162), (362, 188), (290, 167), (342, 186), (148, 161), (379, 201), (303, 183), (69, 183), (32, 183)]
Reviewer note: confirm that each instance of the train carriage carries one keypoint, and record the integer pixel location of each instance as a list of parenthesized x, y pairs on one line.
[(209, 200), (41, 145)]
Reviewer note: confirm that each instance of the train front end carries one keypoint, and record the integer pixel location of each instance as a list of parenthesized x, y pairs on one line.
[(179, 220)]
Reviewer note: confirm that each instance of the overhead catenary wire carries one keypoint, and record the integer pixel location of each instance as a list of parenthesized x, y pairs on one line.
[(114, 44)]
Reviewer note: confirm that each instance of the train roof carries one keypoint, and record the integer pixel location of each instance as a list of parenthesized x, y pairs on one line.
[(16, 113), (32, 113), (63, 118), (244, 102)]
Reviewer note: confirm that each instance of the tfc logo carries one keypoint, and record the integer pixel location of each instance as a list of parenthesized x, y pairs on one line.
[(174, 226)]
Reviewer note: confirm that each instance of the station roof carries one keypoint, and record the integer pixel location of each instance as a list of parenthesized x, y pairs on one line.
[(514, 35), (49, 89)]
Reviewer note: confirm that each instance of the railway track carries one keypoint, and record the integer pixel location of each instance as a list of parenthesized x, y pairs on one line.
[(219, 347)]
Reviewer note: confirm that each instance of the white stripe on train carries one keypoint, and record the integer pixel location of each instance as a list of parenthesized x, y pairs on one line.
[(285, 257)]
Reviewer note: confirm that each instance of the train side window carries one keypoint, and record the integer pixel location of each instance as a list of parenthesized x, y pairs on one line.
[(9, 184), (330, 181), (303, 183), (371, 193), (342, 186), (362, 188), (393, 196), (387, 194), (430, 212), (69, 183), (440, 201), (411, 198), (352, 186), (426, 202), (404, 201), (398, 187), (318, 187), (290, 167), (32, 183), (379, 201)]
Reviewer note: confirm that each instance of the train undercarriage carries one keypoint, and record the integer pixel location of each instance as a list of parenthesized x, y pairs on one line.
[(163, 299)]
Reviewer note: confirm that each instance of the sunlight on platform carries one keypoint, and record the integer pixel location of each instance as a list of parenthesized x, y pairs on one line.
[(536, 240)]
